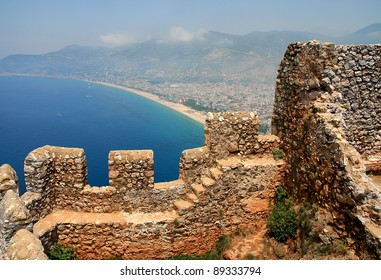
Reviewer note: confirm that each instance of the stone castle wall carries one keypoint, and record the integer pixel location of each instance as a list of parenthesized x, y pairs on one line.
[(323, 135), (217, 191), (54, 177), (357, 76), (131, 183)]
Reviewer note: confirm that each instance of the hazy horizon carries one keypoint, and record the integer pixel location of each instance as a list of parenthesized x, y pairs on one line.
[(40, 26)]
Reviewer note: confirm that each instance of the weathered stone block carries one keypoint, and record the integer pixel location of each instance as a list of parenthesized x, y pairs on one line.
[(194, 162), (132, 169), (231, 133)]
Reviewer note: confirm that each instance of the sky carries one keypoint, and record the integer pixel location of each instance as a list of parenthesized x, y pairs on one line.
[(41, 26)]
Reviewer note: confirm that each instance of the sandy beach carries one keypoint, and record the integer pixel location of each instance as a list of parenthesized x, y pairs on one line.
[(187, 111)]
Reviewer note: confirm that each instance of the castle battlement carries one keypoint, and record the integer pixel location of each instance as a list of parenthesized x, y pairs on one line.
[(133, 210)]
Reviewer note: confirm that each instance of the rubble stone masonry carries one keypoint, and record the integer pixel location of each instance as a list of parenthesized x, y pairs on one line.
[(357, 76), (326, 114)]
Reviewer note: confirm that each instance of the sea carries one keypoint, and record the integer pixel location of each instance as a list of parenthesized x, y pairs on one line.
[(36, 111)]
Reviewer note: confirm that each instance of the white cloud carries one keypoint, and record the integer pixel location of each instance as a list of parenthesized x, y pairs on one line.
[(176, 34), (117, 39), (179, 34)]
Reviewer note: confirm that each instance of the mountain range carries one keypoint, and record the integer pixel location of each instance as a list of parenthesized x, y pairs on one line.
[(215, 57)]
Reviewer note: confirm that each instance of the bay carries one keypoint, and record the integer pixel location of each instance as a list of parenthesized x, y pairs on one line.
[(37, 111)]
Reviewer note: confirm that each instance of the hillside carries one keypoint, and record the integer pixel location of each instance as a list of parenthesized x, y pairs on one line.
[(367, 35)]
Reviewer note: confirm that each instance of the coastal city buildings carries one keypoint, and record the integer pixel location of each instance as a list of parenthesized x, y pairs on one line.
[(211, 97)]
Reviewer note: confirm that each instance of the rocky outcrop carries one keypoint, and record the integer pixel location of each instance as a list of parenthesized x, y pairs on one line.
[(13, 216), (25, 246), (8, 180)]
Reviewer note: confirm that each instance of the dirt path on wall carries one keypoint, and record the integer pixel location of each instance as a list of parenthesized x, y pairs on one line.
[(247, 246)]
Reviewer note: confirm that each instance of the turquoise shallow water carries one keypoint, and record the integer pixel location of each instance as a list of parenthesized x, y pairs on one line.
[(38, 111)]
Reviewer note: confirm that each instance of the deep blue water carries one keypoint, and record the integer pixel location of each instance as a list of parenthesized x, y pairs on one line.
[(38, 111)]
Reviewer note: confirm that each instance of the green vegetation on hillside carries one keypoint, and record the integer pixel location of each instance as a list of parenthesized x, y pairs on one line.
[(198, 107), (278, 154), (58, 252), (282, 222)]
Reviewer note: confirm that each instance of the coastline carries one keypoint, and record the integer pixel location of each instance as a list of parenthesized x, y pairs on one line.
[(197, 116), (182, 109)]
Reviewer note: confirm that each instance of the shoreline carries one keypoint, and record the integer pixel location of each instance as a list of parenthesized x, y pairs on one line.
[(180, 108), (197, 116)]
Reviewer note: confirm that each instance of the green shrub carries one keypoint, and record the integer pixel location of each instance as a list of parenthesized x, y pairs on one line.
[(278, 153), (282, 222), (340, 246), (250, 257), (280, 196), (306, 213), (222, 243), (325, 249), (58, 252)]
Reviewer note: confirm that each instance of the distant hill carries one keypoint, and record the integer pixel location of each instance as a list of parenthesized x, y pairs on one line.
[(216, 57), (368, 35), (71, 60)]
